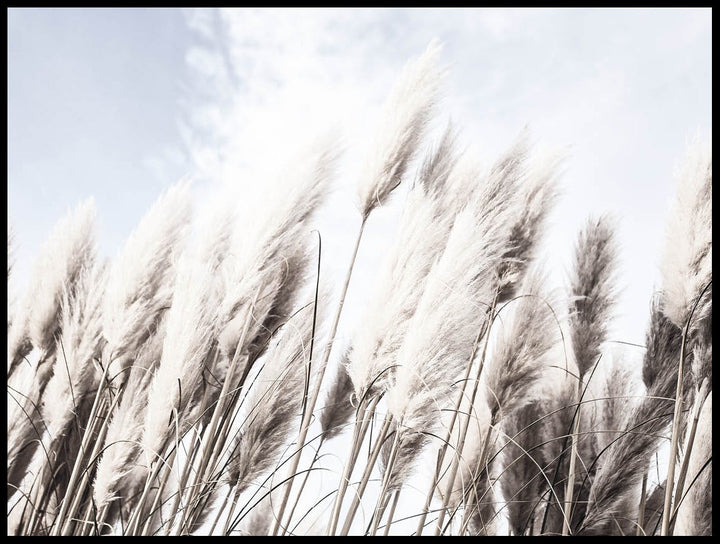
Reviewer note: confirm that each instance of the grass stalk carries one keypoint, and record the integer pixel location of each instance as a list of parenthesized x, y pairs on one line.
[(472, 495), (93, 457), (366, 475), (97, 407), (465, 424), (359, 431), (570, 484), (675, 438), (209, 444), (641, 509), (312, 399), (157, 501), (302, 485), (383, 497), (448, 436), (679, 488), (391, 515)]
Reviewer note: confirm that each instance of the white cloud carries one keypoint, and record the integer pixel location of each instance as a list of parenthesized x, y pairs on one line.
[(599, 80)]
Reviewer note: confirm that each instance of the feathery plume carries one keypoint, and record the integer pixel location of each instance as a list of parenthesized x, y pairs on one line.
[(420, 240), (592, 291), (79, 344), (212, 245), (445, 321), (139, 287), (524, 459), (275, 402), (687, 262), (338, 407), (70, 246), (617, 402), (24, 424), (551, 449), (66, 252), (442, 331), (407, 113), (259, 520), (214, 231), (267, 266), (521, 354), (191, 324), (119, 471), (622, 466), (435, 172), (701, 364), (271, 309), (493, 216), (67, 397), (591, 297), (536, 195)]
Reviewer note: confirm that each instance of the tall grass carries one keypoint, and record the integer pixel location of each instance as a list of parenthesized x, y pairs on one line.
[(195, 383)]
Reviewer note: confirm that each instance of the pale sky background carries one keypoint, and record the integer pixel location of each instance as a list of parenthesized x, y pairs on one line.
[(119, 104)]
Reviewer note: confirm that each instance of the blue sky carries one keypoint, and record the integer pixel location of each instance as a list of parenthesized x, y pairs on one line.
[(92, 108), (120, 103)]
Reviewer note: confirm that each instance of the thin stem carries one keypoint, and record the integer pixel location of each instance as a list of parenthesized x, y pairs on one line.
[(570, 486), (674, 440), (205, 488), (391, 515), (209, 443), (312, 399), (448, 436), (433, 485), (233, 505), (641, 509), (366, 476), (359, 431), (189, 460), (156, 504), (383, 498), (465, 424), (134, 521), (84, 445), (701, 393), (473, 499), (304, 482), (97, 448)]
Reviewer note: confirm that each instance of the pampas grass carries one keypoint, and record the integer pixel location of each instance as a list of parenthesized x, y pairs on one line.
[(190, 325), (622, 465), (521, 355), (694, 513), (119, 471), (140, 279), (407, 112), (79, 346), (67, 252), (421, 238), (338, 407), (174, 390), (275, 401), (687, 262), (592, 291)]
